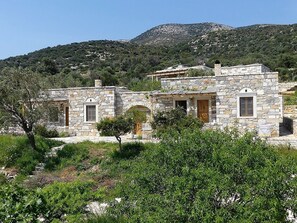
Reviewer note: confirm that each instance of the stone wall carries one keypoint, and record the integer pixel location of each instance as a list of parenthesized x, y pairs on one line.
[(77, 98), (188, 83), (244, 69), (268, 104), (127, 99), (283, 87), (166, 103), (290, 111)]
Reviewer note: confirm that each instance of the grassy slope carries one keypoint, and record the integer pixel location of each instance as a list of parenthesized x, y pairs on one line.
[(16, 153)]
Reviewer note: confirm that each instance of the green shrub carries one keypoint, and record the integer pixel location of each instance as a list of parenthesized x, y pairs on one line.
[(3, 179), (15, 151), (69, 198), (44, 132), (144, 85), (208, 176), (128, 151), (27, 162), (20, 205), (64, 134), (175, 119), (105, 219), (71, 154)]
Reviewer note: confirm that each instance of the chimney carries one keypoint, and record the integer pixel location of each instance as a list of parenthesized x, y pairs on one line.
[(217, 68), (98, 83)]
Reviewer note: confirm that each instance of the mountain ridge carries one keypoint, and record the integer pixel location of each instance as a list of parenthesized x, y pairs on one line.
[(172, 33)]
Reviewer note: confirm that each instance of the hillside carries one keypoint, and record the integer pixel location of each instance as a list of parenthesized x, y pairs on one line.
[(78, 64), (273, 45), (125, 63), (176, 33)]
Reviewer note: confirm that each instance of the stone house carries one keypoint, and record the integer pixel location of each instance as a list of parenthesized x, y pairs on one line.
[(244, 96)]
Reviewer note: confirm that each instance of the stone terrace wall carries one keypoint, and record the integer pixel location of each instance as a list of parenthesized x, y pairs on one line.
[(188, 83), (287, 86), (268, 107), (244, 70), (290, 111)]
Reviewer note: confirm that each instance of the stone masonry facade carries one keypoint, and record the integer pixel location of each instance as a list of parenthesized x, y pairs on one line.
[(233, 90)]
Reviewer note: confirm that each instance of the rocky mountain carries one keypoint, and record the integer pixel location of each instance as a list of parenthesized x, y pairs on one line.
[(176, 33)]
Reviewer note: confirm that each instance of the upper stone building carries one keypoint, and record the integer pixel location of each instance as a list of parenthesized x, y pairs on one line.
[(246, 97)]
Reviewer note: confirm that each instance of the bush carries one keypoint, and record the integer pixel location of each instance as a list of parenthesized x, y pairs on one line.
[(69, 198), (44, 132), (20, 205), (175, 119), (144, 85), (15, 151), (27, 162), (209, 176), (129, 150), (71, 154)]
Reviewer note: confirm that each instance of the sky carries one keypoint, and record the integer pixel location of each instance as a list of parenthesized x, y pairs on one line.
[(29, 25)]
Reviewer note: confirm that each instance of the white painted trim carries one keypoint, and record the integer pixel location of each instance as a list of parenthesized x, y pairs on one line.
[(85, 112), (243, 95)]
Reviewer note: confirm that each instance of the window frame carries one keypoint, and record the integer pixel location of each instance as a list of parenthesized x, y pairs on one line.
[(187, 104), (247, 95), (85, 113)]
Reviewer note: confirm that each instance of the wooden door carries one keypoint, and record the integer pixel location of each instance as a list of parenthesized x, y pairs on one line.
[(138, 129), (67, 116), (203, 110)]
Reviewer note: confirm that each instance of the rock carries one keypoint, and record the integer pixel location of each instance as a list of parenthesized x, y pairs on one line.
[(97, 208)]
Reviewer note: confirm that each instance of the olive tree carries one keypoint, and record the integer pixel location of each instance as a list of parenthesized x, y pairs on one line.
[(116, 127), (21, 101)]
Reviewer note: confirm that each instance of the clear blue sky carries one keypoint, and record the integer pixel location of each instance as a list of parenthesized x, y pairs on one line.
[(28, 25)]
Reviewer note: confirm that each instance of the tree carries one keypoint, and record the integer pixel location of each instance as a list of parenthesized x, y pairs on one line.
[(116, 127), (136, 115), (21, 101)]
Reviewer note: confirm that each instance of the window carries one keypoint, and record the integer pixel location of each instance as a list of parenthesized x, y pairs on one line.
[(246, 106), (90, 113), (181, 104), (53, 114)]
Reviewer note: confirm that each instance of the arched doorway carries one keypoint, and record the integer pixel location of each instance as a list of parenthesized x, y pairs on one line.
[(141, 116)]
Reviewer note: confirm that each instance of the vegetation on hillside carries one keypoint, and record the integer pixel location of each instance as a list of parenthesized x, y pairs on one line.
[(16, 153), (274, 45), (191, 176), (170, 34), (124, 63), (209, 176)]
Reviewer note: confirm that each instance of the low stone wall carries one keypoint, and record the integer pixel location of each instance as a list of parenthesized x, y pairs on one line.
[(244, 69), (290, 111), (188, 83)]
